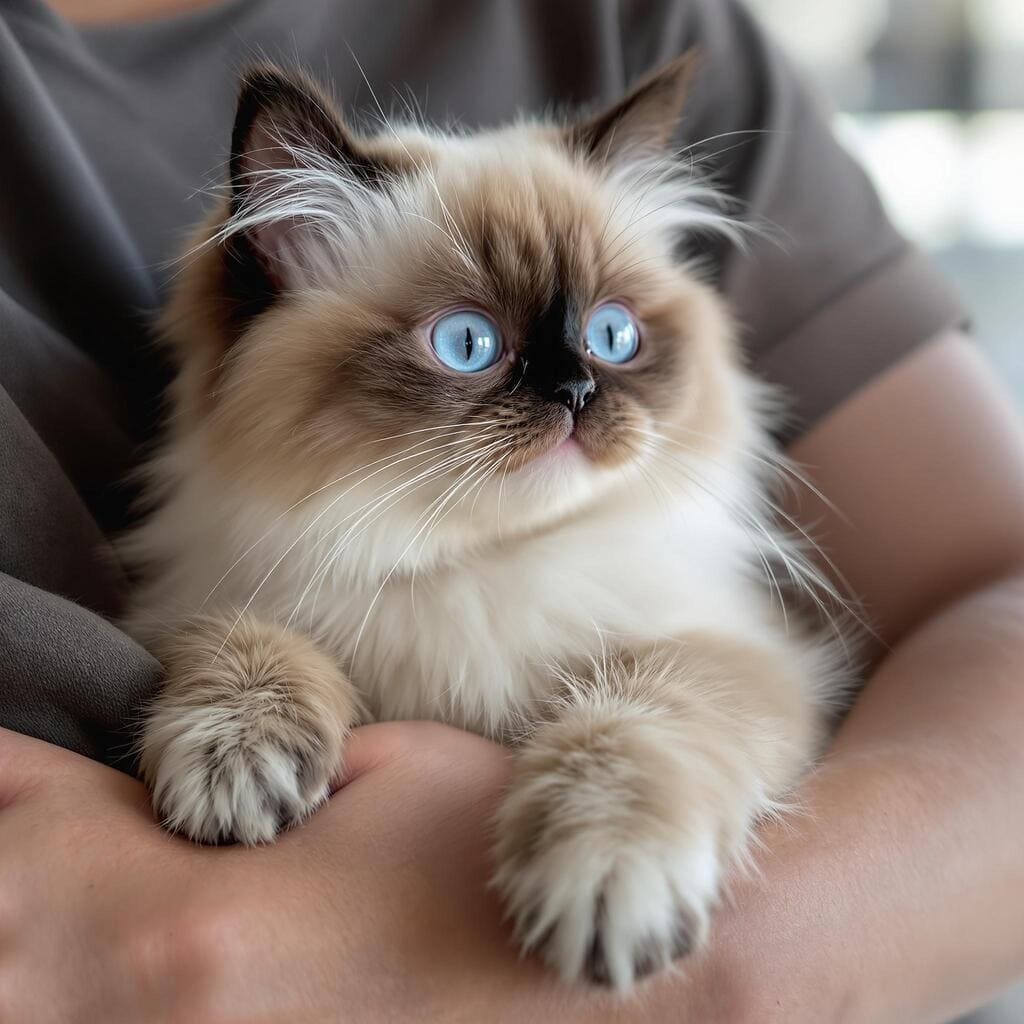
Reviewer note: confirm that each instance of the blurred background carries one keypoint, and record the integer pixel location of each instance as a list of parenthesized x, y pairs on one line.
[(930, 96)]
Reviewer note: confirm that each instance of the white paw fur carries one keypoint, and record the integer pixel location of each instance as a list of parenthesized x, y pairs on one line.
[(608, 865), (246, 736), (612, 914), (218, 780)]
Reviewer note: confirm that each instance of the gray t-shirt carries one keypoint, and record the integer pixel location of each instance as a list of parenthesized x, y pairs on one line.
[(111, 135)]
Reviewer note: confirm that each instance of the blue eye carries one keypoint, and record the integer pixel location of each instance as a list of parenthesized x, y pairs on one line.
[(466, 341), (612, 333)]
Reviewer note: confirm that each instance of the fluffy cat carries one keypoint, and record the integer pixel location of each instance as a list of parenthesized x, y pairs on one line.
[(458, 434)]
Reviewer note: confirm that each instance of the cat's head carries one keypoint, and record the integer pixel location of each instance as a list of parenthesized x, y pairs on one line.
[(451, 336)]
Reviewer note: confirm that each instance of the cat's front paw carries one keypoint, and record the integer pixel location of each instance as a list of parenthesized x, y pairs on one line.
[(246, 736), (608, 917), (217, 780), (607, 870)]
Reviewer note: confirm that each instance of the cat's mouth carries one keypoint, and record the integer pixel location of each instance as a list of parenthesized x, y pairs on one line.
[(567, 447), (570, 443), (561, 453)]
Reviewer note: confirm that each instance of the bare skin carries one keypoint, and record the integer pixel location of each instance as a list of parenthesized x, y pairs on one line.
[(894, 897)]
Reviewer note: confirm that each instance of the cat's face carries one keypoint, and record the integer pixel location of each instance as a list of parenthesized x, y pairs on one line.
[(453, 337)]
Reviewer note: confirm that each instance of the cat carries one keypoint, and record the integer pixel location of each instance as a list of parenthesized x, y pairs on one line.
[(460, 432)]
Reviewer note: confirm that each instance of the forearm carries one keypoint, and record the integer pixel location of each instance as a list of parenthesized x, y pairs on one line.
[(897, 895)]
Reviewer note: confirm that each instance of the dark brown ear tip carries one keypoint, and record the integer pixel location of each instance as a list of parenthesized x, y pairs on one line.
[(646, 116), (688, 65), (690, 60), (272, 77), (676, 75), (259, 87), (261, 77), (287, 96), (269, 85)]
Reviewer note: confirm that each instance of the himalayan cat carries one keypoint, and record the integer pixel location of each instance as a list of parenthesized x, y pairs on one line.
[(460, 433)]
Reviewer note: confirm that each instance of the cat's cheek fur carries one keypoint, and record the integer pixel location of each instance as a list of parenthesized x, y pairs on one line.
[(627, 808), (247, 734)]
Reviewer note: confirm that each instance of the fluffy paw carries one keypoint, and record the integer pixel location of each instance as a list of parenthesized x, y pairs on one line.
[(608, 860), (610, 916), (247, 734), (217, 782)]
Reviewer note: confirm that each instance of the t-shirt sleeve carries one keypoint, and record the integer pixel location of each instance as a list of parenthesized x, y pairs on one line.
[(827, 293)]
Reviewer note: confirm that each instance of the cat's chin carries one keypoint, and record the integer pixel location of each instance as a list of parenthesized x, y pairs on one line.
[(560, 481), (565, 455), (572, 458)]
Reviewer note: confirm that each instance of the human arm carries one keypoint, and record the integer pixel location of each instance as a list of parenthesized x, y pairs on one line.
[(898, 894)]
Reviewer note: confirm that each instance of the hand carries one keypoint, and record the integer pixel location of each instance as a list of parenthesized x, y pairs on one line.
[(93, 896)]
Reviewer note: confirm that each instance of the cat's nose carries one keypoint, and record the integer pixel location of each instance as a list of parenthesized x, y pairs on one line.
[(575, 393)]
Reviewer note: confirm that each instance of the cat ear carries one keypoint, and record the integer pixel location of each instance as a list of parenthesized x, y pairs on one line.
[(292, 158), (644, 121)]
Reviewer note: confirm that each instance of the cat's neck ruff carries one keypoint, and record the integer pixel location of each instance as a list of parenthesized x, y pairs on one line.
[(474, 635)]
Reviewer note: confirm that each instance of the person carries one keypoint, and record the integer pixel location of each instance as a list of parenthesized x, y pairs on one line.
[(893, 895)]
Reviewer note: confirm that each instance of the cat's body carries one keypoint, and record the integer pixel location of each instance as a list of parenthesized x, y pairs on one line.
[(562, 550)]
